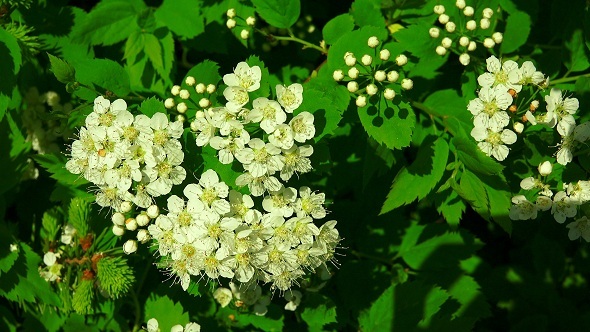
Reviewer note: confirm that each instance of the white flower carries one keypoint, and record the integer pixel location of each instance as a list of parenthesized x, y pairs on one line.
[(244, 76), (302, 125), (236, 97), (260, 158), (310, 203), (294, 298), (105, 112), (280, 202), (489, 108), (504, 74), (290, 97), (163, 173), (210, 191), (530, 75), (258, 185), (572, 137), (544, 203), (166, 134), (152, 325), (268, 112), (530, 183), (580, 227), (223, 296), (562, 109), (522, 209), (282, 137), (563, 207), (242, 207), (579, 192), (163, 231), (492, 141)]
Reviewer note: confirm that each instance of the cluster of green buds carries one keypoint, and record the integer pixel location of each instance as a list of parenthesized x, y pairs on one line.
[(246, 24)]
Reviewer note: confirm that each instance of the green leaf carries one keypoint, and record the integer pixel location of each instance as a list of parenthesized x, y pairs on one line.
[(265, 88), (134, 44), (103, 73), (278, 13), (472, 190), (416, 40), (183, 17), (417, 180), (55, 164), (206, 72), (389, 123), (110, 22), (227, 173), (448, 105), (63, 71), (165, 311), (152, 106), (7, 256), (474, 159), (518, 27), (575, 55), (367, 13), (79, 215), (438, 252), (115, 276), (450, 205), (153, 49), (326, 100), (355, 42), (14, 152), (379, 317), (11, 43), (337, 27), (319, 311)]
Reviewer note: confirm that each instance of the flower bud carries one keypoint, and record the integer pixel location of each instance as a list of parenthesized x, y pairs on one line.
[(251, 20), (131, 224), (488, 12), (142, 219), (372, 89), (497, 37), (211, 88), (380, 76), (468, 11), (392, 76), (389, 94), (464, 59), (446, 42), (384, 54), (460, 4), (352, 86), (407, 84), (545, 168), (184, 94), (130, 247), (434, 32), (200, 88), (175, 90), (244, 34), (153, 211), (441, 50), (118, 230), (143, 236), (361, 101), (180, 118), (194, 126), (353, 73), (488, 43), (512, 108), (338, 75), (518, 127), (190, 81), (534, 105), (231, 12), (472, 46), (464, 41), (125, 207), (52, 98), (204, 103), (350, 60), (118, 219), (401, 60), (450, 27), (367, 60), (443, 19), (181, 107), (512, 93), (373, 42), (439, 9), (471, 25), (484, 23), (169, 103)]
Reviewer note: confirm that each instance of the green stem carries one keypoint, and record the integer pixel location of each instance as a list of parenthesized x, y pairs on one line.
[(292, 38), (566, 79)]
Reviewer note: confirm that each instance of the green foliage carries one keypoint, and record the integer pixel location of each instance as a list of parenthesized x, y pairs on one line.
[(518, 26), (367, 13), (337, 27), (83, 297), (185, 23), (63, 71), (319, 312), (280, 14), (167, 312), (115, 276), (51, 222), (79, 215)]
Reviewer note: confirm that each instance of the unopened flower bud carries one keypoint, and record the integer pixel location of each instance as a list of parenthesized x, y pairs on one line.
[(488, 43), (441, 50), (372, 89), (194, 126), (392, 76), (143, 236), (534, 105), (142, 219), (401, 60), (184, 94), (389, 94), (169, 103), (373, 42), (353, 73), (512, 93), (450, 27), (131, 224), (443, 19), (338, 75), (439, 9), (204, 103), (118, 219), (464, 59), (468, 11), (190, 81), (251, 20), (384, 54), (175, 90), (211, 88), (231, 12), (361, 101), (352, 86), (446, 42), (181, 107), (367, 60), (434, 32), (180, 117), (464, 41), (125, 207), (200, 88), (518, 127), (118, 230), (471, 25), (130, 247), (460, 4), (244, 34), (380, 76), (52, 98), (407, 84), (512, 108), (484, 23), (153, 211), (472, 46), (545, 168), (488, 12), (497, 37), (350, 60)]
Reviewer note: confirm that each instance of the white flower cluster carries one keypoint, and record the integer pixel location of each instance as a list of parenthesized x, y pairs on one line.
[(500, 85), (52, 269), (154, 326), (231, 22), (130, 159), (218, 232), (463, 40), (375, 78)]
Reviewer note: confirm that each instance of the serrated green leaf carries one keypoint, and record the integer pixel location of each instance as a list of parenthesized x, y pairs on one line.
[(417, 180), (448, 105), (13, 153), (389, 123), (55, 164), (355, 42), (153, 49), (278, 13), (186, 22), (498, 195), (438, 252), (11, 43), (416, 40), (152, 106), (319, 311), (367, 13), (51, 222), (104, 73), (575, 54), (115, 276), (473, 191), (450, 205), (227, 173), (79, 215), (7, 256), (337, 27), (134, 45), (518, 27), (474, 159), (110, 22), (167, 312), (379, 317), (63, 71)]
